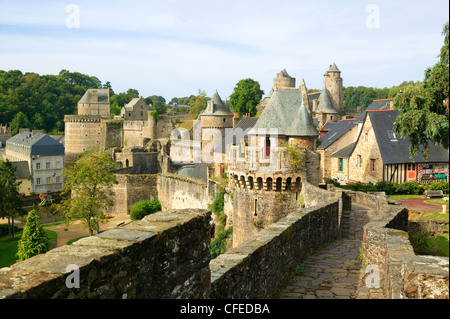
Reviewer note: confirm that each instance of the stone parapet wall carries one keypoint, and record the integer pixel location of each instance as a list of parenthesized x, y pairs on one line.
[(165, 255), (387, 248), (258, 267), (176, 191)]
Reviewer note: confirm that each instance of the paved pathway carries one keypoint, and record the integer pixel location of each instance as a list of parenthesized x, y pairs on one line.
[(419, 204), (335, 271)]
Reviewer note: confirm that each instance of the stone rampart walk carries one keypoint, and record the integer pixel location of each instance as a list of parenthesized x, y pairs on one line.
[(335, 272)]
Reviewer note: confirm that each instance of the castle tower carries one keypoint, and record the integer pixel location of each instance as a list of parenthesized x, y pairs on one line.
[(215, 119), (283, 81), (326, 108), (333, 82), (83, 131), (95, 102), (266, 185)]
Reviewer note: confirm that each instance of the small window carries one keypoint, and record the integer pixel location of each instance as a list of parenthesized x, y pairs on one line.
[(372, 165), (392, 135), (38, 181), (58, 179), (267, 146), (38, 165), (359, 161), (49, 180), (58, 164), (47, 165), (341, 165), (224, 120)]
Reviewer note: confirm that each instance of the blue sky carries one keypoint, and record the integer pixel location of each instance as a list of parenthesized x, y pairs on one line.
[(176, 47)]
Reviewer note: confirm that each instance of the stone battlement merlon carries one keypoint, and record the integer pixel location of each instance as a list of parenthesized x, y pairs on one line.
[(82, 118)]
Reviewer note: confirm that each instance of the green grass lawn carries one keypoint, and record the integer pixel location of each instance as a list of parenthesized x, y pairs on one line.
[(8, 249), (405, 196), (431, 214), (437, 201)]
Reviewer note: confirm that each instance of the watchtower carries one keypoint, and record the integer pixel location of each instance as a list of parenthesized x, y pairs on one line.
[(333, 82)]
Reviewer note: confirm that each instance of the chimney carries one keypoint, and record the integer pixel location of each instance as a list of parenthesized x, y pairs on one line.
[(94, 96)]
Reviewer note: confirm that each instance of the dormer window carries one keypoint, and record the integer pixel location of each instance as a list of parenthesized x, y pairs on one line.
[(392, 135)]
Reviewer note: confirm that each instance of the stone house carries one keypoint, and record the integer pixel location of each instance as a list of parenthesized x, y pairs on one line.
[(368, 150), (44, 157), (135, 110)]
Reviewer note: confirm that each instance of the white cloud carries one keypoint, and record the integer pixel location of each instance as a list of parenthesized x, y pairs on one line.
[(174, 48)]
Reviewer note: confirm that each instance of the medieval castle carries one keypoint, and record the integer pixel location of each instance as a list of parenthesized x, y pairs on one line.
[(273, 166), (254, 153)]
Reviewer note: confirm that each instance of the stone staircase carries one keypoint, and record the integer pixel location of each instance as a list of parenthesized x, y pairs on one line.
[(345, 224)]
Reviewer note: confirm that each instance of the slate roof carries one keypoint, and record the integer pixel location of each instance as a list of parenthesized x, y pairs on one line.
[(325, 103), (345, 152), (22, 170), (130, 105), (383, 104), (303, 124), (397, 150), (245, 124), (280, 111), (219, 107), (103, 96), (334, 68), (337, 130), (38, 144)]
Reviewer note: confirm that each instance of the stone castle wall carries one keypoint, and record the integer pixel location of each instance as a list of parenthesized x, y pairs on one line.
[(165, 255), (258, 267), (132, 189), (253, 211), (82, 133), (181, 192)]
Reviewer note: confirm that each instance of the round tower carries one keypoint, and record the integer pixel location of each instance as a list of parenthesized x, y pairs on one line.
[(216, 118), (333, 82), (283, 81)]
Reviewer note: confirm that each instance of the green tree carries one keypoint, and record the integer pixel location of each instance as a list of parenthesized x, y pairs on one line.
[(10, 200), (19, 121), (159, 107), (34, 241), (88, 187), (198, 104), (423, 108), (246, 96)]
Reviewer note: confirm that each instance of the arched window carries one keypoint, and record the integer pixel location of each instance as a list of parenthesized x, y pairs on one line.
[(269, 183), (298, 183), (279, 183), (259, 183), (288, 183), (250, 182)]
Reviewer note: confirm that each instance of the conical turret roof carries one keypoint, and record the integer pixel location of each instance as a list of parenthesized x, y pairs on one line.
[(334, 68), (302, 125), (217, 107), (325, 103)]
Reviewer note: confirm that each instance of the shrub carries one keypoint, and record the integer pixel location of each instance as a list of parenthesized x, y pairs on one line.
[(219, 245), (360, 187), (412, 188), (332, 181), (442, 185), (143, 208), (34, 240), (385, 186)]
